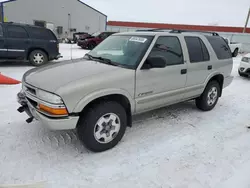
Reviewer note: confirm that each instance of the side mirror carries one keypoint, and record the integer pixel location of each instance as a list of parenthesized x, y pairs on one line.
[(154, 62)]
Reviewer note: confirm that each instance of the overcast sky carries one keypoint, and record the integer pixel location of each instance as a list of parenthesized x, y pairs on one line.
[(206, 12)]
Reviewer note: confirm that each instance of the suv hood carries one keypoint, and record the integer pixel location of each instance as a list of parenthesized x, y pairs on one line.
[(55, 75)]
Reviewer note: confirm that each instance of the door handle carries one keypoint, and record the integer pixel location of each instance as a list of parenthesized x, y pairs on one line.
[(209, 67), (183, 71)]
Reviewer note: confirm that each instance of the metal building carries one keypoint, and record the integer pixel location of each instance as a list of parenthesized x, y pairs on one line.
[(64, 17)]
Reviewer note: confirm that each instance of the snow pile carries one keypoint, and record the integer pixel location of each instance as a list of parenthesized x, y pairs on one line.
[(177, 146)]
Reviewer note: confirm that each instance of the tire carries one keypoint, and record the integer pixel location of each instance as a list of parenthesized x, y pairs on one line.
[(91, 45), (236, 51), (242, 75), (205, 103), (38, 58), (99, 135)]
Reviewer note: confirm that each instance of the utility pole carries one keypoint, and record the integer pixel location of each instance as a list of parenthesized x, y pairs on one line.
[(248, 15)]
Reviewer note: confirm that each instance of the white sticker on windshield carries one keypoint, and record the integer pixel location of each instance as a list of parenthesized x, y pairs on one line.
[(138, 39)]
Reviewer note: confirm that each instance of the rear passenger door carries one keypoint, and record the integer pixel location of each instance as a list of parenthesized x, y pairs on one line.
[(18, 42), (199, 65), (3, 48)]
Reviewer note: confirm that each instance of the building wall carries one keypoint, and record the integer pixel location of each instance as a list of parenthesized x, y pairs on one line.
[(83, 18)]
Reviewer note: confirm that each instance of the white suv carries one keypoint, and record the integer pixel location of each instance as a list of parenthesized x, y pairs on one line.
[(127, 74), (244, 68)]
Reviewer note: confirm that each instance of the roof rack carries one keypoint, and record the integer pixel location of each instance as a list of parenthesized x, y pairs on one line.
[(154, 30), (193, 31), (178, 31)]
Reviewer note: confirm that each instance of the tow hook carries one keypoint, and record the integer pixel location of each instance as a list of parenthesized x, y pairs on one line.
[(29, 120), (21, 109)]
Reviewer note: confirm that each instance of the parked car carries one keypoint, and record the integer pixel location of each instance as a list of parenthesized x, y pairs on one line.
[(234, 46), (127, 74), (244, 68), (23, 42), (93, 40)]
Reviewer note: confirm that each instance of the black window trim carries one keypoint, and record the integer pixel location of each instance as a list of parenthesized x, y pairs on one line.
[(200, 41), (182, 62)]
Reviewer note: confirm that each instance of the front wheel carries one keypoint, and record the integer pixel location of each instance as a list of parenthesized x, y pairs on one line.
[(103, 126), (209, 97), (38, 58)]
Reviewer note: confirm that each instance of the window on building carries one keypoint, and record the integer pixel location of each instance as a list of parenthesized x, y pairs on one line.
[(16, 32), (220, 47), (196, 49), (170, 49)]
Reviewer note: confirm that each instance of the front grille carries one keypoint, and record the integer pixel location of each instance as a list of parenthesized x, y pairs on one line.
[(248, 71), (31, 90), (32, 102)]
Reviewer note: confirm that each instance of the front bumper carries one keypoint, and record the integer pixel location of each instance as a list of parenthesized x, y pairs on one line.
[(65, 123), (244, 68)]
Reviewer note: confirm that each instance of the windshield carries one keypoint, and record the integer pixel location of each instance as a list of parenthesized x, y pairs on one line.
[(96, 34), (123, 50)]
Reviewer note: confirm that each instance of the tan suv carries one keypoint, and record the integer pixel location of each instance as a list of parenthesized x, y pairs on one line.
[(127, 74)]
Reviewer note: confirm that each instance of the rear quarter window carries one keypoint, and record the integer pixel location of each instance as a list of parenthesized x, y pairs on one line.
[(220, 47), (41, 33)]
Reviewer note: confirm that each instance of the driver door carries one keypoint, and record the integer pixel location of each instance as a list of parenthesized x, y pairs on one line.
[(157, 87)]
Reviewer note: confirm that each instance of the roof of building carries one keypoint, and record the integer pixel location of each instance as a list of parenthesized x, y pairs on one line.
[(178, 26), (80, 1)]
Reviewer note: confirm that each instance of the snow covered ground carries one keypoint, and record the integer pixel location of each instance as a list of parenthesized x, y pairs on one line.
[(173, 147)]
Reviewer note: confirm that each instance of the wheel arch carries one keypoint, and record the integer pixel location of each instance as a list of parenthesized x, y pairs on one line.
[(121, 97), (36, 48), (217, 77)]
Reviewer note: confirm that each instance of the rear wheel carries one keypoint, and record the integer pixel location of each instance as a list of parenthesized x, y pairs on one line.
[(103, 126), (236, 52), (38, 58), (209, 97), (242, 75)]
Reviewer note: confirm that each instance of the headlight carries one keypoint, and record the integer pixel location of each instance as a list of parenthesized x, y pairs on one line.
[(246, 59), (49, 97)]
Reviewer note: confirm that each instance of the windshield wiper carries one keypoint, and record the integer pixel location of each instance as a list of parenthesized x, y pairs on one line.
[(105, 60)]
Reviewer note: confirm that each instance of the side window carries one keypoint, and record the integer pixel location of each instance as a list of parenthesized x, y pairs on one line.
[(16, 32), (169, 48), (220, 47), (40, 33), (196, 49), (104, 35), (1, 31), (206, 56)]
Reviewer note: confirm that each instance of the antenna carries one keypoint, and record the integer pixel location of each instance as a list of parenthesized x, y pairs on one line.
[(69, 28)]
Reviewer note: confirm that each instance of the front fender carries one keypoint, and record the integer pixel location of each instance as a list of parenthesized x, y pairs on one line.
[(101, 93)]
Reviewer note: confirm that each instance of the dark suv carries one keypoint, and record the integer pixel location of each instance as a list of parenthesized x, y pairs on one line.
[(21, 42), (93, 40)]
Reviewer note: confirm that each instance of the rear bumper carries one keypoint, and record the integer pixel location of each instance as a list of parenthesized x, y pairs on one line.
[(55, 57), (227, 81), (65, 123)]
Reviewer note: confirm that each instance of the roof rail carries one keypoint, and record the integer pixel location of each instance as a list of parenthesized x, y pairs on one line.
[(193, 31), (154, 30)]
